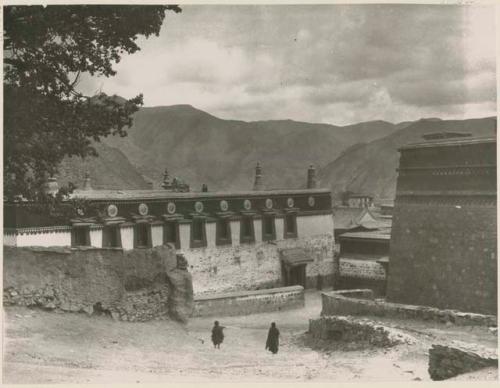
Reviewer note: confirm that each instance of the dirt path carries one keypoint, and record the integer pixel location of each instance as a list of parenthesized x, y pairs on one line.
[(43, 347)]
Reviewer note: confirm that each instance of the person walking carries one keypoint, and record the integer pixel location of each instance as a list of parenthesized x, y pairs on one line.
[(217, 335), (272, 342)]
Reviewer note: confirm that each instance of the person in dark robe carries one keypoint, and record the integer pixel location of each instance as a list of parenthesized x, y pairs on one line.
[(217, 335), (273, 342)]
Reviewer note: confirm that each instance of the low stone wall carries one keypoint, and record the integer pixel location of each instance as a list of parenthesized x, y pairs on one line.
[(136, 285), (249, 302), (355, 332), (337, 303), (358, 293), (377, 286), (450, 361)]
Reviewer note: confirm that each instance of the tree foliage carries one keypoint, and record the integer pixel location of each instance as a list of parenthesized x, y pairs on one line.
[(46, 50)]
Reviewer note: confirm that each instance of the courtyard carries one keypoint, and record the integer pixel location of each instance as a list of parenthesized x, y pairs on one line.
[(48, 347)]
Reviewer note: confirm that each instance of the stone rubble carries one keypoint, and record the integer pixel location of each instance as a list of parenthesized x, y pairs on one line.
[(356, 333), (446, 361)]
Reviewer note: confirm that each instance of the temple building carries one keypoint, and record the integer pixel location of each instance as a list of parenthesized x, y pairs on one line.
[(231, 240), (443, 249), (356, 219), (364, 260)]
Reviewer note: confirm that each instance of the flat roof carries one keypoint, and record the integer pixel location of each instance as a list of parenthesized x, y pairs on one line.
[(375, 235), (372, 258), (449, 142), (164, 194)]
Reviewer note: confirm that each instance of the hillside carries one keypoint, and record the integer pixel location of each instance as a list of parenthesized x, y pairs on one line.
[(202, 148), (371, 167), (111, 170)]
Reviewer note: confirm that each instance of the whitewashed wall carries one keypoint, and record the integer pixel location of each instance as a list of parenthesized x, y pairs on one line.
[(235, 233), (314, 225), (280, 228), (257, 225), (96, 237), (210, 229), (10, 239), (45, 238), (127, 234), (184, 235), (157, 235)]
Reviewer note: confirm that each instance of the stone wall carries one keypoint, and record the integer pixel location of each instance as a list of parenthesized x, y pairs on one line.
[(338, 303), (355, 332), (133, 285), (363, 269), (257, 266), (249, 302), (444, 255), (377, 286), (447, 361), (359, 273)]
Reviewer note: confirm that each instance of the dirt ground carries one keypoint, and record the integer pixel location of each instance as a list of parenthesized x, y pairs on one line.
[(48, 347)]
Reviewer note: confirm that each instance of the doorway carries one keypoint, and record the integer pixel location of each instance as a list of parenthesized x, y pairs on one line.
[(294, 275)]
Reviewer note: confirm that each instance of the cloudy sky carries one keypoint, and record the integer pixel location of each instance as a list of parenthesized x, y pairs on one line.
[(337, 64)]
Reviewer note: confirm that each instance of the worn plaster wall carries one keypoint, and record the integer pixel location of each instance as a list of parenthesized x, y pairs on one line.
[(133, 285), (314, 225), (254, 266), (249, 302)]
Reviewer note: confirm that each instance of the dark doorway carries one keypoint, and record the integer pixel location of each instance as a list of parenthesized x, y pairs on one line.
[(295, 275)]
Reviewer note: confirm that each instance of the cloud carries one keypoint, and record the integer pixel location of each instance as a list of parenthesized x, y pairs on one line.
[(324, 63)]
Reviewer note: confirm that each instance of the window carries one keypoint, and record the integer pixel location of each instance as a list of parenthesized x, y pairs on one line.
[(246, 230), (268, 228), (111, 237), (171, 233), (142, 235), (223, 232), (80, 236), (290, 226), (198, 234)]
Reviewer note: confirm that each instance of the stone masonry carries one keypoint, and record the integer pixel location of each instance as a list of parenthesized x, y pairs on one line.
[(136, 285), (362, 302), (447, 361), (443, 250), (358, 333)]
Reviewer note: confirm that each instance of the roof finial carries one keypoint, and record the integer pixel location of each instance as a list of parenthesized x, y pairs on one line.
[(86, 184), (311, 177), (257, 185), (167, 182)]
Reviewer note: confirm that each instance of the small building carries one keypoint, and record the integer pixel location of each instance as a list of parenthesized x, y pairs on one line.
[(443, 249), (232, 240), (358, 200), (353, 219), (364, 260)]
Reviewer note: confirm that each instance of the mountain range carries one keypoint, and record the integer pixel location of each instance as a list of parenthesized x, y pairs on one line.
[(201, 148)]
